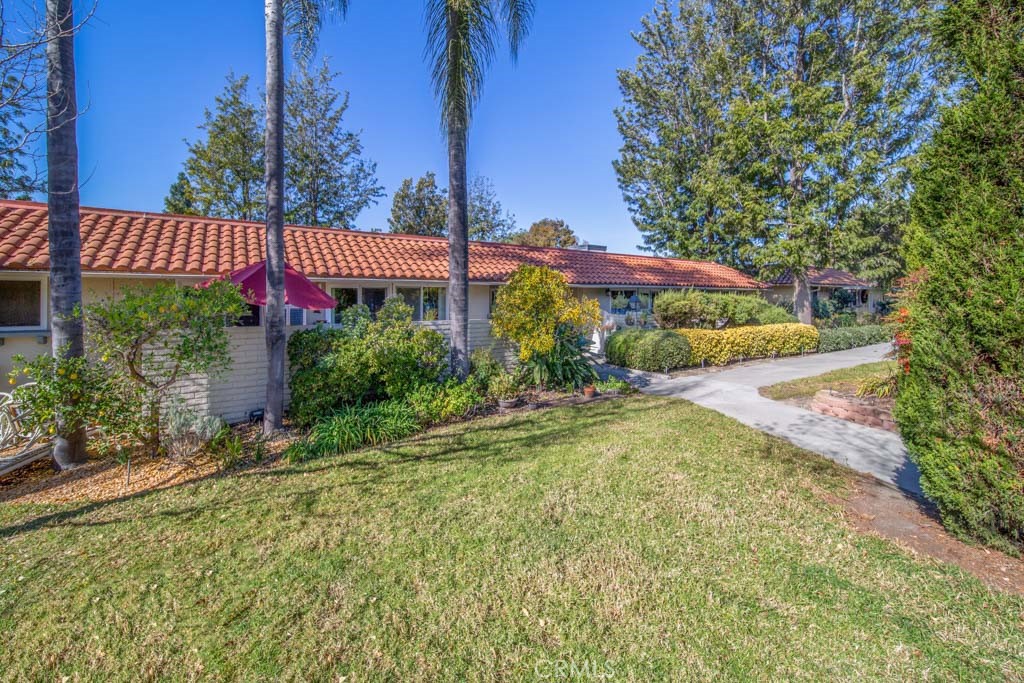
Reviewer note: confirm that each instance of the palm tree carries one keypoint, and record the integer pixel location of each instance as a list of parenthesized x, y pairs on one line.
[(63, 210), (461, 39), (302, 19)]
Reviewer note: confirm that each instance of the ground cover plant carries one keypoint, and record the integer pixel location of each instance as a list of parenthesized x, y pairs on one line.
[(847, 380), (693, 548)]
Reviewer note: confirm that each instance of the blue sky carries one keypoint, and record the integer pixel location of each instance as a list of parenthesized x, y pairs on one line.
[(544, 131)]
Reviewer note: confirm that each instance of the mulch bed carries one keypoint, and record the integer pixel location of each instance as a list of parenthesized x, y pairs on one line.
[(105, 479)]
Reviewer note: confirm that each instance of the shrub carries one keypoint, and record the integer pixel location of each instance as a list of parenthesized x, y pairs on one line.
[(565, 365), (503, 387), (439, 403), (362, 360), (353, 427), (186, 432), (650, 350), (711, 310), (718, 347), (482, 367), (612, 384), (840, 338), (960, 407), (535, 305), (153, 336)]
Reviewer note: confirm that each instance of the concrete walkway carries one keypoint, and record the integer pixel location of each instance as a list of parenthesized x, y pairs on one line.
[(733, 392)]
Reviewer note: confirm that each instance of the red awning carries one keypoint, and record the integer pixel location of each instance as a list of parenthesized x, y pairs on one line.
[(299, 291)]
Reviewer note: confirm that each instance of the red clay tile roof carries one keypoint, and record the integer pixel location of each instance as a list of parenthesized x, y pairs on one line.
[(825, 277), (131, 241)]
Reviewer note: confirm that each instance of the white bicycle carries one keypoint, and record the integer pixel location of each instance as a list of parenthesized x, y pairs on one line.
[(13, 433)]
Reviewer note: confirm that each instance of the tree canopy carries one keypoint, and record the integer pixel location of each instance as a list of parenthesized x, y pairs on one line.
[(778, 136), (420, 207), (547, 232), (328, 181)]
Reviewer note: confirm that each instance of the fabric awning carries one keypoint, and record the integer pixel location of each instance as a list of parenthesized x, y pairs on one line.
[(299, 291)]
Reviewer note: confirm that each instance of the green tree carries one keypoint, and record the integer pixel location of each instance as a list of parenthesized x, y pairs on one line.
[(420, 209), (65, 245), (17, 181), (155, 336), (778, 136), (461, 38), (960, 405), (547, 232), (223, 175), (181, 198), (328, 181), (488, 220)]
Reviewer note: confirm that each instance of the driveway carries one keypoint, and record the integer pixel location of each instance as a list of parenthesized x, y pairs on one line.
[(733, 392)]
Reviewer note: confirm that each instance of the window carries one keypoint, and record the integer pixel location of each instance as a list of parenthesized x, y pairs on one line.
[(411, 297), (296, 316), (494, 301), (620, 300), (344, 297), (374, 298), (428, 303), (435, 303), (21, 303), (251, 319), (863, 296)]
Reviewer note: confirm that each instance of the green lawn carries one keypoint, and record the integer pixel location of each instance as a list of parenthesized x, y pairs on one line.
[(650, 537), (845, 379)]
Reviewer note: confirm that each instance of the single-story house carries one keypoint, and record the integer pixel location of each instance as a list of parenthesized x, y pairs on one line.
[(824, 282), (130, 248)]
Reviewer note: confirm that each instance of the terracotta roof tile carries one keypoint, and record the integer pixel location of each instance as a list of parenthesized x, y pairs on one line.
[(129, 241)]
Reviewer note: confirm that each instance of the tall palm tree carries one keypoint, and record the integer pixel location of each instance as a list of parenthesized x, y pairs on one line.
[(302, 19), (63, 209), (461, 39)]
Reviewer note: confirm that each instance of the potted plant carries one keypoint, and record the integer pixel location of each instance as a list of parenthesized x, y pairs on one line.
[(589, 391), (504, 388)]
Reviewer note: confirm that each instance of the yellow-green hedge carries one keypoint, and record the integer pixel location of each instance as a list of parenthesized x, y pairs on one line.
[(718, 347)]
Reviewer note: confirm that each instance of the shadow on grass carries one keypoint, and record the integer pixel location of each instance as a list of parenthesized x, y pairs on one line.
[(489, 440)]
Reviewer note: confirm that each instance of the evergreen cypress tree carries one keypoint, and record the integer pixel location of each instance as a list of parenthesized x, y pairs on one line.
[(960, 406)]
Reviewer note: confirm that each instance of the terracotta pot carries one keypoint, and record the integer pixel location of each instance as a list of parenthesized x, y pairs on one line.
[(589, 391)]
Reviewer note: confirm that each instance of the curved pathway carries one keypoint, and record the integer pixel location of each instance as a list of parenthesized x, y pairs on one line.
[(733, 392)]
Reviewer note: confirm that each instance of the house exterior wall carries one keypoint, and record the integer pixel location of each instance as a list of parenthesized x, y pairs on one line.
[(783, 294), (33, 342)]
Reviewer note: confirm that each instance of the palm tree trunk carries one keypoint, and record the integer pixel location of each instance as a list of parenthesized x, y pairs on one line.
[(802, 299), (62, 204), (458, 244), (273, 413)]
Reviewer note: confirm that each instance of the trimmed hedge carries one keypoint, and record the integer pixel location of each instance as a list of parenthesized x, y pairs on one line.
[(718, 347), (840, 338), (650, 350)]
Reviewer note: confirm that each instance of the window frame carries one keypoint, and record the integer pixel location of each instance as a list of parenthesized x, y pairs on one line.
[(44, 297)]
